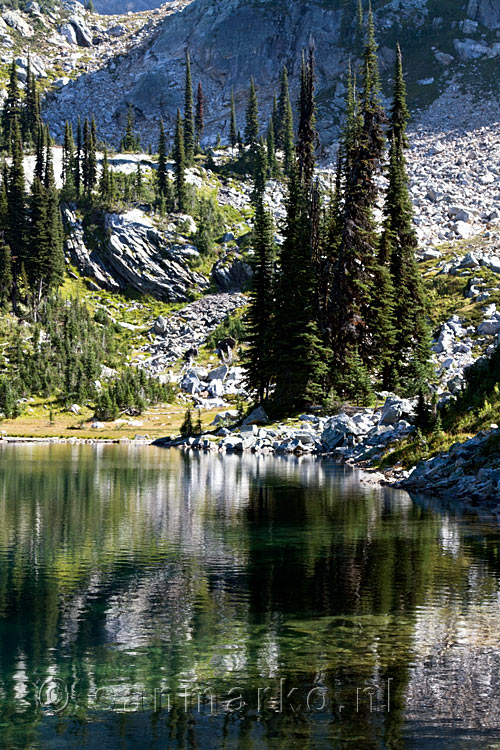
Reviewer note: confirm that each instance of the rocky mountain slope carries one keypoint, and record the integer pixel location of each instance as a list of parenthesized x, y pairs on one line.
[(449, 46)]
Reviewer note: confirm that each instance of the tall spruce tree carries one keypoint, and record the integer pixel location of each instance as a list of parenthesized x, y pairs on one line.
[(89, 158), (11, 112), (189, 126), (261, 309), (16, 225), (68, 162), (298, 352), (180, 164), (6, 278), (359, 315), (233, 130), (411, 354), (78, 159), (285, 140), (252, 126), (199, 122), (130, 141)]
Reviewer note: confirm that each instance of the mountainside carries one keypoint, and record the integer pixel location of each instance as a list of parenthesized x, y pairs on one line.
[(447, 45)]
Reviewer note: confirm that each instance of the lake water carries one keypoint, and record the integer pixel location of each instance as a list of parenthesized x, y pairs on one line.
[(157, 599)]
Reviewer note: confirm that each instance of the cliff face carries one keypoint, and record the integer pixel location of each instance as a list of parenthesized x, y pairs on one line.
[(445, 43)]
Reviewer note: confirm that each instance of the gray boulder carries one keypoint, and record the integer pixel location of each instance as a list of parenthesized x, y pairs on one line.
[(396, 409), (258, 416)]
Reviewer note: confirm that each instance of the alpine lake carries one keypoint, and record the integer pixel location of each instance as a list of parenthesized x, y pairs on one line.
[(159, 599)]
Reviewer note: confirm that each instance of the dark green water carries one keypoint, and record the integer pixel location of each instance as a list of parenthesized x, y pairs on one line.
[(141, 590)]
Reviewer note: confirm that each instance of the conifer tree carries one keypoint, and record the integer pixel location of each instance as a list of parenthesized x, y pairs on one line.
[(233, 131), (272, 165), (6, 279), (300, 357), (276, 122), (78, 159), (285, 140), (360, 304), (31, 109), (200, 115), (40, 151), (252, 118), (68, 161), (189, 127), (397, 253), (89, 158), (138, 180), (130, 141), (16, 227), (11, 112), (180, 164), (261, 308)]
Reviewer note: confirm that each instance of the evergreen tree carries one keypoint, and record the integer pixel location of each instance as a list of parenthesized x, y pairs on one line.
[(130, 141), (285, 140), (89, 158), (6, 279), (16, 225), (233, 131), (272, 164), (138, 180), (31, 110), (68, 162), (397, 252), (299, 354), (180, 164), (200, 114), (78, 159), (252, 119), (261, 308), (11, 113), (359, 316), (189, 126), (40, 151)]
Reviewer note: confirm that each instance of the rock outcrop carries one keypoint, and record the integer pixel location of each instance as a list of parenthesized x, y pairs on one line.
[(134, 254)]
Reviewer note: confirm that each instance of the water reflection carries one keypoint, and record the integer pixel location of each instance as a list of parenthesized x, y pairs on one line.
[(143, 589)]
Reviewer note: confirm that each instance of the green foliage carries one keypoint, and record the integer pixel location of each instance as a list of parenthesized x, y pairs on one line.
[(187, 427), (210, 223), (189, 126), (131, 392), (232, 327), (130, 141)]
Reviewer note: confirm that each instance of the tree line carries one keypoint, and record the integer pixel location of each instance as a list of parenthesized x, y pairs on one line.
[(339, 308)]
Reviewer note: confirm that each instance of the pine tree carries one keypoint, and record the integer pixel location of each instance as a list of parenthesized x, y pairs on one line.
[(260, 313), (398, 246), (200, 115), (271, 150), (359, 316), (189, 127), (299, 354), (306, 133), (16, 228), (89, 157), (180, 164), (6, 279), (40, 151), (233, 131), (31, 109), (11, 110), (78, 159), (68, 162), (130, 141), (285, 140), (252, 118)]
